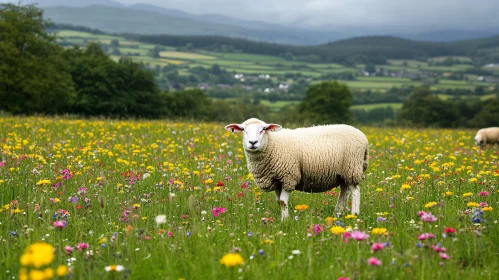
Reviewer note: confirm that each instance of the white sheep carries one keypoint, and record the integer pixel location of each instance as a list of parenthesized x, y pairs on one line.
[(313, 159), (486, 136)]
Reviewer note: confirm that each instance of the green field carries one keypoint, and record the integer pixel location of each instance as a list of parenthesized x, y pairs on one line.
[(113, 199), (369, 107)]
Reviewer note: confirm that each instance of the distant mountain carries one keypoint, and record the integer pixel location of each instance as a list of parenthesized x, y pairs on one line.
[(72, 3), (449, 35), (146, 19)]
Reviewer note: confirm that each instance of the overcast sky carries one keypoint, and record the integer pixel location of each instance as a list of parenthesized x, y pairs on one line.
[(398, 14)]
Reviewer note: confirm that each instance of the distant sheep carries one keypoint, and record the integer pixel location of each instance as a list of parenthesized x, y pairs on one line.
[(313, 159), (486, 136)]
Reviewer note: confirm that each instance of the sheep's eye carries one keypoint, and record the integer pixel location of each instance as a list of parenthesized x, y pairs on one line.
[(264, 128), (242, 129)]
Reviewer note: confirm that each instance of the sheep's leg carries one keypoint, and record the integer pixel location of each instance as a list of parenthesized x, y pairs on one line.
[(342, 198), (278, 195), (283, 201), (355, 199)]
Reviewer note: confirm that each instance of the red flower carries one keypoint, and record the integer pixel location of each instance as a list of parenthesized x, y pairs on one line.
[(220, 184), (449, 230)]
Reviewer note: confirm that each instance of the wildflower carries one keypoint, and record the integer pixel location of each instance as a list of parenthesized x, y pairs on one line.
[(350, 216), (317, 229), (483, 193), (448, 193), (377, 247), (38, 255), (477, 216), (343, 278), (160, 219), (449, 230), (330, 220), (301, 207), (60, 224), (430, 204), (405, 187), (61, 270), (468, 194), (472, 204), (337, 230), (68, 249), (136, 206), (380, 219), (425, 236), (359, 236), (82, 246), (473, 180), (379, 190), (438, 248), (114, 268), (427, 217), (231, 259), (444, 256), (217, 211), (488, 208), (374, 261), (379, 231), (296, 252)]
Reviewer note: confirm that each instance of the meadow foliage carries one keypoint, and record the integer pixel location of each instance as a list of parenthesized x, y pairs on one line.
[(90, 199)]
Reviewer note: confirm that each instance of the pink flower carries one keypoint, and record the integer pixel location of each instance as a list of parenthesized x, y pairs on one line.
[(60, 224), (377, 247), (343, 278), (444, 256), (427, 217), (82, 246), (483, 193), (170, 234), (374, 261), (425, 236), (317, 229), (217, 211), (483, 204), (2, 164), (346, 235), (69, 249), (359, 236), (438, 249)]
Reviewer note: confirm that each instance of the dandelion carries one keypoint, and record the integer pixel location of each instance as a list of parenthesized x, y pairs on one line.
[(61, 270), (301, 207), (337, 230), (405, 187), (379, 231), (38, 255), (372, 261), (488, 208), (430, 204), (232, 259), (468, 194), (472, 204), (350, 216), (160, 219)]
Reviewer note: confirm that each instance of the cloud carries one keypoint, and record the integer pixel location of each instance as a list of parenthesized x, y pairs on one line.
[(389, 14)]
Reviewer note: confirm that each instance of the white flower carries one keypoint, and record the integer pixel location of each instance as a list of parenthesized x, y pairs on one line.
[(145, 176), (114, 268), (203, 212), (296, 252), (161, 219)]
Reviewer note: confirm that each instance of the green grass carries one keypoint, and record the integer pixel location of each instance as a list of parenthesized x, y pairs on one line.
[(369, 107), (110, 179), (278, 105)]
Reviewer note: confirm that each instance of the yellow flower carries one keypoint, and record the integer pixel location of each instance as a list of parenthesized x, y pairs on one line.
[(379, 231), (467, 194), (231, 259), (473, 180), (448, 193), (36, 275), (350, 216), (136, 205), (330, 220), (23, 274), (103, 240), (337, 230), (488, 208), (43, 182), (405, 187), (209, 181), (301, 207), (472, 204), (268, 241), (379, 190), (430, 204), (1, 181), (38, 255)]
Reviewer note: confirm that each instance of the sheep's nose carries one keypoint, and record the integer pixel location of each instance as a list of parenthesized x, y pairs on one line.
[(253, 142)]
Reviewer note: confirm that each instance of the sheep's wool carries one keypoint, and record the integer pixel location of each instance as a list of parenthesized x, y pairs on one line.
[(488, 135), (313, 159)]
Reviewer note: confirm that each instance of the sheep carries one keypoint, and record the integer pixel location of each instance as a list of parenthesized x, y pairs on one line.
[(486, 136), (313, 159)]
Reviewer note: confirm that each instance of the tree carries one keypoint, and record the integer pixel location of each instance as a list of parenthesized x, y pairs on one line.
[(370, 68), (33, 75), (327, 102)]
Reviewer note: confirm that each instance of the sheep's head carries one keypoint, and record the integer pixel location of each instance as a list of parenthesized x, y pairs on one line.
[(254, 133)]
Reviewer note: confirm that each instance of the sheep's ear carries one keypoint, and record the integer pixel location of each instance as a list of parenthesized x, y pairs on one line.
[(273, 127), (234, 127)]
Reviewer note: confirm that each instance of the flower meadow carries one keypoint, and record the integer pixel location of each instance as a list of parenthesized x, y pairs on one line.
[(110, 199)]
